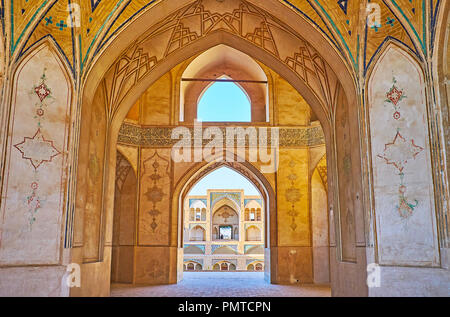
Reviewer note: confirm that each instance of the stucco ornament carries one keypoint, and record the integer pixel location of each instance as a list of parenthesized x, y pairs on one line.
[(154, 194), (293, 195)]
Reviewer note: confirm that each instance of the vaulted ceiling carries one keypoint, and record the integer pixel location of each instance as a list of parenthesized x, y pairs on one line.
[(25, 22)]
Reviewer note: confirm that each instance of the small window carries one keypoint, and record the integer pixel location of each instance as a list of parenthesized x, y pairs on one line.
[(224, 102)]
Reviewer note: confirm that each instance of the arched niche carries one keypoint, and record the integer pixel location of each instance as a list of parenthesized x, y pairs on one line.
[(255, 266), (403, 193), (225, 201), (197, 211), (223, 62), (124, 223), (192, 266), (257, 249), (197, 233), (34, 193), (253, 211), (226, 219), (253, 233), (320, 224), (224, 266)]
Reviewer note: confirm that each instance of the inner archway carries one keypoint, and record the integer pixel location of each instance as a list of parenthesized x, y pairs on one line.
[(221, 200), (226, 195)]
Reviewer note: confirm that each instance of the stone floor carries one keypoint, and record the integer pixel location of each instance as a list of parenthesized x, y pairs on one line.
[(221, 284)]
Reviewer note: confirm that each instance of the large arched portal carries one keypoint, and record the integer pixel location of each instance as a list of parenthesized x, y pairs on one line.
[(350, 111), (144, 61), (157, 54), (285, 148)]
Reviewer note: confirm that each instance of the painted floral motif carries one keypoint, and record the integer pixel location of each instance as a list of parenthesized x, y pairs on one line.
[(399, 152), (394, 96), (33, 203), (405, 208), (225, 215), (42, 91), (37, 149)]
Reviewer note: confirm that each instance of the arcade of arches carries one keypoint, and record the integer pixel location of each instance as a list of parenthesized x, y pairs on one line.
[(350, 121)]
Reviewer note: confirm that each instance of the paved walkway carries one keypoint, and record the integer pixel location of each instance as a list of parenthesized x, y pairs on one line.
[(223, 284)]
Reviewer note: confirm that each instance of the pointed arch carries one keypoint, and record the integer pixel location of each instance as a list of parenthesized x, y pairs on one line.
[(242, 108), (387, 44), (225, 201), (41, 97), (49, 42), (246, 169), (225, 77), (303, 26), (253, 233), (386, 41), (397, 102), (193, 249), (223, 62), (322, 96), (197, 233)]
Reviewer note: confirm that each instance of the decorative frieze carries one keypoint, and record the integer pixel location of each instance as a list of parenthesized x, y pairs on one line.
[(157, 137)]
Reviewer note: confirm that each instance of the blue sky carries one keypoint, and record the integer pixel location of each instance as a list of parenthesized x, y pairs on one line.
[(224, 178), (224, 101)]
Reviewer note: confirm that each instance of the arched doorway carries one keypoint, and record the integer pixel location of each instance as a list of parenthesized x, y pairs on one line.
[(320, 87), (225, 205)]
